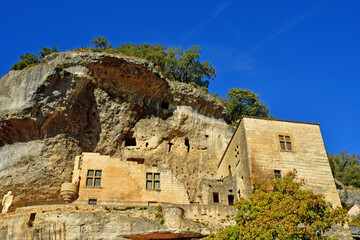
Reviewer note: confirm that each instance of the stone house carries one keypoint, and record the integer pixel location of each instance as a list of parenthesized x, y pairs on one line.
[(259, 148), (99, 179)]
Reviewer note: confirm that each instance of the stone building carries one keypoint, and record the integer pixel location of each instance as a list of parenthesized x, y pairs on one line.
[(259, 148), (271, 148), (105, 180)]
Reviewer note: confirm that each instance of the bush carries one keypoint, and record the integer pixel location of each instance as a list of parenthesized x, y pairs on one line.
[(25, 61), (279, 209), (29, 59)]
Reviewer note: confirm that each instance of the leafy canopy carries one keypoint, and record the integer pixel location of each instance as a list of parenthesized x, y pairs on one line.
[(346, 168), (244, 102), (47, 51), (279, 209), (101, 43), (25, 60), (29, 59), (175, 64)]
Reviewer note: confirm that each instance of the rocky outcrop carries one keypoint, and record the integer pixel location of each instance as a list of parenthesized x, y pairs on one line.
[(347, 196), (110, 104), (99, 222)]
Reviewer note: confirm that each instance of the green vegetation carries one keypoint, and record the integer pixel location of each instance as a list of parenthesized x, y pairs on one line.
[(279, 209), (346, 168), (101, 43), (159, 215), (175, 64), (29, 59), (26, 60), (241, 102), (355, 221), (47, 51)]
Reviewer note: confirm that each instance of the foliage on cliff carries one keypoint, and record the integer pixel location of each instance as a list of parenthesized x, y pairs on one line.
[(244, 102), (346, 168), (28, 59), (241, 102), (175, 64), (279, 209)]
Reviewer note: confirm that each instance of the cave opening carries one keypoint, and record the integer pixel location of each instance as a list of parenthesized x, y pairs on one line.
[(130, 140), (165, 105)]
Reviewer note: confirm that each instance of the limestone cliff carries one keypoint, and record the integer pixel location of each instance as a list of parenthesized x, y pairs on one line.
[(110, 104), (67, 222)]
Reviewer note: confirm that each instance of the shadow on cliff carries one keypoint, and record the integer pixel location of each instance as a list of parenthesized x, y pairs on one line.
[(65, 105)]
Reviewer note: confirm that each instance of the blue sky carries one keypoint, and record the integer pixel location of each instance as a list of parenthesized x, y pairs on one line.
[(302, 57)]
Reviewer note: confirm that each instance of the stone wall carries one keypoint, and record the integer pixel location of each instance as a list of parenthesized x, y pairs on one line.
[(125, 181), (308, 155), (236, 158), (225, 190)]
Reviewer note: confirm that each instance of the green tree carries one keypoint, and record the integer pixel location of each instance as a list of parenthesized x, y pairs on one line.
[(346, 168), (279, 209), (47, 51), (175, 64), (25, 60), (101, 42), (244, 102), (185, 66)]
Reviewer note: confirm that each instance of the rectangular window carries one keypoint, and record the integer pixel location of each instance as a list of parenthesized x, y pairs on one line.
[(215, 197), (277, 173), (93, 178), (153, 181), (285, 143), (231, 199), (92, 201)]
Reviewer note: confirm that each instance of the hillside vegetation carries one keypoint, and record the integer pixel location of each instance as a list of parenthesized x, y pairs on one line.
[(346, 168), (175, 64)]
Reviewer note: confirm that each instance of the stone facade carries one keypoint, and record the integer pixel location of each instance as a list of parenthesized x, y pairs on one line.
[(258, 148), (256, 151), (105, 180)]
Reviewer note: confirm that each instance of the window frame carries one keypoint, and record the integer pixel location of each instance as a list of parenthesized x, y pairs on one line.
[(285, 142), (216, 196), (92, 201), (93, 178), (237, 155), (277, 174), (152, 181)]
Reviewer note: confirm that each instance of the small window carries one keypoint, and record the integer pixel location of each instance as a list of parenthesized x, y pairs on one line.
[(230, 174), (285, 143), (277, 173), (215, 197), (237, 154), (153, 181), (93, 178), (92, 201), (32, 217), (231, 199), (187, 144)]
